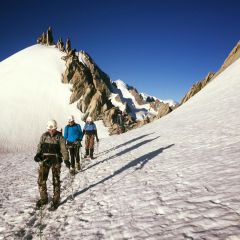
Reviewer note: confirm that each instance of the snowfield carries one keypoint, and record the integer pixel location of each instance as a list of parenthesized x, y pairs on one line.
[(175, 178)]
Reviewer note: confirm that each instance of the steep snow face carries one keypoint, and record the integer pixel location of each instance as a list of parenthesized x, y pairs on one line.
[(138, 111), (31, 93)]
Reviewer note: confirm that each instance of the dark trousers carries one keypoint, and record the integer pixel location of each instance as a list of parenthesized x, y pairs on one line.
[(74, 154), (43, 172)]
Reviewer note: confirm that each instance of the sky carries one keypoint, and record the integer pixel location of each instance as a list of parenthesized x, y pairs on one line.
[(159, 47)]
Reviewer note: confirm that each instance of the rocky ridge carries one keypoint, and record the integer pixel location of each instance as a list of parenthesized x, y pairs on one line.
[(197, 87), (92, 89), (232, 57)]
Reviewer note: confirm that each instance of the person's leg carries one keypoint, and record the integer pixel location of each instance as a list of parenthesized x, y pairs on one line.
[(91, 146), (72, 155), (43, 172), (56, 170), (87, 143), (77, 154)]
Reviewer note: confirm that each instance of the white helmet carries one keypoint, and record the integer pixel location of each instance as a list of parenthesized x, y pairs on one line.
[(89, 119), (71, 118), (51, 124)]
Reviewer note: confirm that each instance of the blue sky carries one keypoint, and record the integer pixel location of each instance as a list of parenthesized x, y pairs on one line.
[(159, 47)]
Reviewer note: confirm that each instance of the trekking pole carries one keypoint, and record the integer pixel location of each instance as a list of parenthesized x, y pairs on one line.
[(72, 180), (80, 157), (41, 207), (97, 150)]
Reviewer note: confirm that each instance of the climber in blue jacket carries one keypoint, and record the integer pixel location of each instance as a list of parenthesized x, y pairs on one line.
[(73, 135)]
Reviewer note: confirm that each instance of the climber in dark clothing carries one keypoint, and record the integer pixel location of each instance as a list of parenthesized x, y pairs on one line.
[(51, 150)]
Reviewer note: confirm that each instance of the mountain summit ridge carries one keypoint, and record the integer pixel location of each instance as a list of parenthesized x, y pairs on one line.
[(98, 96)]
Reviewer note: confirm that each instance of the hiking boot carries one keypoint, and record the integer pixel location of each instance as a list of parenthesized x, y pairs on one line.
[(41, 202), (87, 153), (91, 153), (54, 206), (72, 171), (78, 166)]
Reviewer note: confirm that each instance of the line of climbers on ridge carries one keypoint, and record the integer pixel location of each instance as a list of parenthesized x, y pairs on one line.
[(54, 148)]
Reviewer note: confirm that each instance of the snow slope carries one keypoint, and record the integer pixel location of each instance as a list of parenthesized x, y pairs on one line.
[(31, 93), (175, 178)]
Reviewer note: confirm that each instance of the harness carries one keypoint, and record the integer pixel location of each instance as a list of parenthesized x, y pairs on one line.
[(51, 149)]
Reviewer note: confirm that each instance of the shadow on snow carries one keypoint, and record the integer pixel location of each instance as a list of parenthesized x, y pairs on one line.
[(123, 152), (123, 144), (139, 163)]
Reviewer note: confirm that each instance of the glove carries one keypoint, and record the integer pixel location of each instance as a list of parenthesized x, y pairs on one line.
[(38, 157), (67, 163), (47, 161), (60, 160), (79, 143)]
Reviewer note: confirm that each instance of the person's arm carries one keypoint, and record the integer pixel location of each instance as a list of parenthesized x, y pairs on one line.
[(66, 133), (64, 152), (63, 149), (84, 131), (38, 157), (39, 147), (80, 133)]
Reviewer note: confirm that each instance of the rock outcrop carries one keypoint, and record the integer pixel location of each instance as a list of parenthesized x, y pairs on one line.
[(232, 57), (91, 88), (68, 47), (60, 45), (197, 87), (161, 108), (136, 95), (46, 38)]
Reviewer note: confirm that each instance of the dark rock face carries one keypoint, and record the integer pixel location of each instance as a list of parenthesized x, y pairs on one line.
[(91, 88), (68, 46), (136, 95), (49, 36), (150, 99), (161, 108)]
